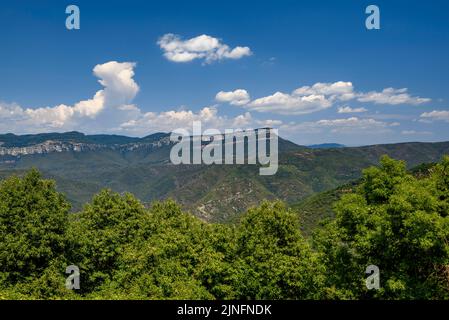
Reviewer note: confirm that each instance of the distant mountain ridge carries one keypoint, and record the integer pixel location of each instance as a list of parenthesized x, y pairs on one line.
[(11, 140), (13, 145), (19, 145), (326, 146), (218, 193)]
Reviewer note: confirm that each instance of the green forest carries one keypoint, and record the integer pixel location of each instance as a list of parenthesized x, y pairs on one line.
[(124, 249)]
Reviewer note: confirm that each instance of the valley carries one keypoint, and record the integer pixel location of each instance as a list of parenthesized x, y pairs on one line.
[(82, 165)]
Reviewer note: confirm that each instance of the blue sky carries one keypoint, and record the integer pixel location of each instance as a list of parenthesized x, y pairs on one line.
[(310, 68)]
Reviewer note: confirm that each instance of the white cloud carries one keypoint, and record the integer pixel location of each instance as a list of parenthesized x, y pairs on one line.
[(306, 99), (350, 125), (111, 110), (168, 121), (118, 92), (54, 117), (117, 79), (338, 90), (241, 121), (201, 47), (237, 97), (209, 117), (354, 124), (320, 96), (441, 115), (288, 104), (413, 132), (270, 123), (301, 101), (391, 96), (347, 109), (10, 112)]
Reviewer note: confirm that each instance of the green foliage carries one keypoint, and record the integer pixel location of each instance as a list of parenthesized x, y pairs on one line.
[(395, 220), (33, 221), (97, 234), (167, 258), (379, 183), (273, 259), (316, 209), (440, 174)]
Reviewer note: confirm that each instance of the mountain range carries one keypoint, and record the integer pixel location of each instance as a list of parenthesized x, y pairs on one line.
[(84, 164)]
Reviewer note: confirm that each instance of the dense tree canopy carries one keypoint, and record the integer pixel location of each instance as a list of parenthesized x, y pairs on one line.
[(124, 250), (33, 223), (396, 222)]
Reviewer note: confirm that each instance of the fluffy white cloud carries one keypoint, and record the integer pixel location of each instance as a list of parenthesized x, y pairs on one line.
[(168, 121), (201, 47), (413, 132), (347, 109), (242, 121), (88, 108), (117, 80), (288, 104), (303, 100), (111, 110), (354, 123), (320, 96), (270, 123), (237, 97), (391, 96), (118, 92), (54, 117), (345, 126), (11, 111), (338, 90), (441, 115)]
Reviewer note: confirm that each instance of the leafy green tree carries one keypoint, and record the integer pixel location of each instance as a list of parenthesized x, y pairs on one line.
[(273, 260), (440, 176), (33, 222), (98, 233), (125, 251), (396, 222), (171, 257)]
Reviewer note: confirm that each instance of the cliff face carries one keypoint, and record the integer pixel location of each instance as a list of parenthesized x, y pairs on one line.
[(58, 146), (46, 147)]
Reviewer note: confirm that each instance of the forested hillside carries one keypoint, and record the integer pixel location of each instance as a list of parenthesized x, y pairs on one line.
[(393, 219), (82, 165)]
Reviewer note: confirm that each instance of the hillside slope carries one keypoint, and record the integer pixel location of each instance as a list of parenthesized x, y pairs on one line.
[(218, 193)]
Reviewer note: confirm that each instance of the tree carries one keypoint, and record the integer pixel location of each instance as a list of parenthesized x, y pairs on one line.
[(273, 261), (98, 233), (396, 222), (170, 257), (440, 176), (33, 221)]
